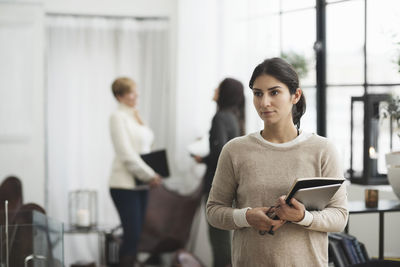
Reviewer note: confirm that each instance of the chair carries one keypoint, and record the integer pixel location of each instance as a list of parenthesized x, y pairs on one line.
[(168, 220), (30, 239), (11, 190), (22, 235), (29, 233), (166, 227)]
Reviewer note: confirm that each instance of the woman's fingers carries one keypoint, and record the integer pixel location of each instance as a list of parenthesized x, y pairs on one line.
[(296, 204), (274, 224), (258, 218), (278, 225), (280, 200), (293, 212), (198, 159)]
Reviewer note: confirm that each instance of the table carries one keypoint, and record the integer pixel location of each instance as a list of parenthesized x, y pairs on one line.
[(99, 231), (358, 207)]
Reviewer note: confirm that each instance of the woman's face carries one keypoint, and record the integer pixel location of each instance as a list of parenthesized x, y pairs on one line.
[(216, 94), (273, 100), (130, 98)]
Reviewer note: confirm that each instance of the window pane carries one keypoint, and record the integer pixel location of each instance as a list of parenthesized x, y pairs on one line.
[(383, 33), (297, 4), (345, 42), (299, 38), (338, 126), (262, 37), (309, 119), (384, 90), (257, 7)]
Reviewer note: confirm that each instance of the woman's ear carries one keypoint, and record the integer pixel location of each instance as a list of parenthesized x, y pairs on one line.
[(296, 96)]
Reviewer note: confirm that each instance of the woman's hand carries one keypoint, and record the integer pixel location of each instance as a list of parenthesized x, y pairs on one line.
[(294, 212), (137, 116), (198, 159), (156, 181), (258, 219)]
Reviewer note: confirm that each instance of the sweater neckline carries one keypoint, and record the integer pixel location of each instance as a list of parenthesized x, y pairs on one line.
[(126, 108), (303, 136)]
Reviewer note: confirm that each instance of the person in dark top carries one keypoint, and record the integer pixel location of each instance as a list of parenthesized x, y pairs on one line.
[(228, 123)]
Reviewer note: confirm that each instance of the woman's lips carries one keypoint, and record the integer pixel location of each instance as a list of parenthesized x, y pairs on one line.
[(266, 113)]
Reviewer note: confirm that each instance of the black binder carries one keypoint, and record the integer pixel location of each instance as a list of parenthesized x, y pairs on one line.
[(157, 160)]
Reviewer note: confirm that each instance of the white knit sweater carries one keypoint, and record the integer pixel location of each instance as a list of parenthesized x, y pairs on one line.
[(130, 139)]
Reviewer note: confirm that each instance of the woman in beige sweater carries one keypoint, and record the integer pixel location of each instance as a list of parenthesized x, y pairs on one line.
[(256, 170)]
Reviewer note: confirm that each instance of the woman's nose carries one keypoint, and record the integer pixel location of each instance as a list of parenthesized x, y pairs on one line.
[(266, 101)]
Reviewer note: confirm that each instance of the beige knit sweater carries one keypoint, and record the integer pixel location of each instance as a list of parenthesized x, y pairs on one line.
[(255, 174)]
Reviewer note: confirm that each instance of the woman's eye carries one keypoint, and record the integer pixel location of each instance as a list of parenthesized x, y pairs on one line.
[(257, 93), (274, 92)]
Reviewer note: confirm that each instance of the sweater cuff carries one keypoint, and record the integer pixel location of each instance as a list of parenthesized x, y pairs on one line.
[(150, 174), (307, 220), (239, 217)]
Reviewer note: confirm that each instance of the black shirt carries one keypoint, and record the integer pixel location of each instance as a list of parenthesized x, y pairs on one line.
[(224, 127)]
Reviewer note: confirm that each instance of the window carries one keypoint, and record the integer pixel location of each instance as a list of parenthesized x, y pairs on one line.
[(298, 39), (362, 47), (360, 59)]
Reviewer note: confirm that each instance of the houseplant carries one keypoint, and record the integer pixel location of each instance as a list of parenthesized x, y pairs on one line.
[(298, 61), (392, 111)]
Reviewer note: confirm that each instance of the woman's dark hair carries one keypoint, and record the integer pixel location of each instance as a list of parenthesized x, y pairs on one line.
[(285, 73), (231, 97)]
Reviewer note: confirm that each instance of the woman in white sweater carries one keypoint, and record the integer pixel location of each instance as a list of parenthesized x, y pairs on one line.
[(130, 138), (257, 169)]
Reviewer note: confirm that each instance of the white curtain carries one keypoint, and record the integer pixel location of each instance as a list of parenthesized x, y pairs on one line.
[(84, 56)]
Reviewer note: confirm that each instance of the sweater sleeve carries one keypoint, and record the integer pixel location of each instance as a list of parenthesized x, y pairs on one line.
[(334, 217), (219, 209), (124, 151)]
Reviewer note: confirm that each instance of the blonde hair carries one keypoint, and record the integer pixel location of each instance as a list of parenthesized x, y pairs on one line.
[(121, 86)]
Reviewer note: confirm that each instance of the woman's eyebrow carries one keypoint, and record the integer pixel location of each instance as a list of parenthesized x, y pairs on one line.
[(269, 89), (274, 87)]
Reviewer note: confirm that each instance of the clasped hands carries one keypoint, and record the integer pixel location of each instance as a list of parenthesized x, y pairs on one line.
[(257, 217)]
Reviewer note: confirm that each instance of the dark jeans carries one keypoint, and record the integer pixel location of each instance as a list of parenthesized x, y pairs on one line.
[(131, 206), (220, 244)]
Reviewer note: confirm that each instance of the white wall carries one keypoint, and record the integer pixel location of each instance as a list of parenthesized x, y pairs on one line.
[(196, 78), (197, 73), (22, 97)]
